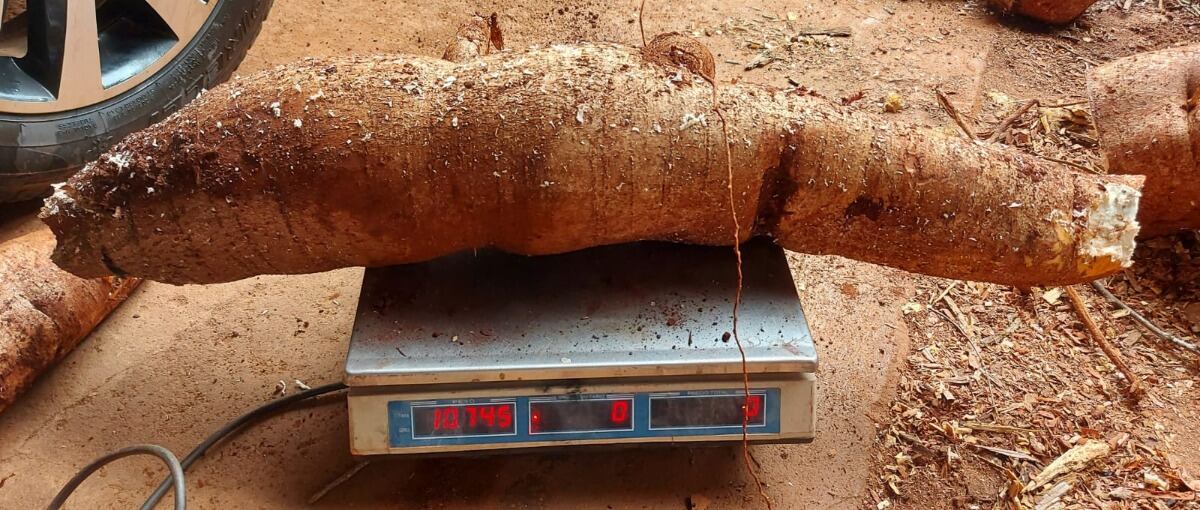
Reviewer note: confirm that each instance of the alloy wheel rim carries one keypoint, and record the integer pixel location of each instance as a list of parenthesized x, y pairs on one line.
[(63, 55)]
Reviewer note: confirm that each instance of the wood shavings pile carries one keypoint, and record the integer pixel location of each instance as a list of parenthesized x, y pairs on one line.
[(1005, 403)]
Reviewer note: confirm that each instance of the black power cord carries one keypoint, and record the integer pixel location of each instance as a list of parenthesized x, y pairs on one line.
[(176, 467), (142, 449)]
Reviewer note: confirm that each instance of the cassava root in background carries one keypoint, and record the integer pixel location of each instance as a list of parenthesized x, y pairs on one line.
[(1051, 11), (367, 161), (1147, 111), (45, 311)]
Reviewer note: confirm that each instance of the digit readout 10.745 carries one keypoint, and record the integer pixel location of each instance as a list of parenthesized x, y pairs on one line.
[(464, 420)]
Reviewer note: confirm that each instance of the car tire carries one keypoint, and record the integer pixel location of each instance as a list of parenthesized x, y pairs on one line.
[(39, 150)]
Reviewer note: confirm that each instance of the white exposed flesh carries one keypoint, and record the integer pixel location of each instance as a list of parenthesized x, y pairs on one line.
[(1113, 224)]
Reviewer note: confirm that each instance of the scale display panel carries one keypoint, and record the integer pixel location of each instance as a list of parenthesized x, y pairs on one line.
[(581, 417)]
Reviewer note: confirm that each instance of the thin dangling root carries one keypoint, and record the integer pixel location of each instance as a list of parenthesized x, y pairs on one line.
[(674, 49)]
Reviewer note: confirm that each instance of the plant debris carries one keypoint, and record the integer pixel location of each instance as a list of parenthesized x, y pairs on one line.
[(1038, 416)]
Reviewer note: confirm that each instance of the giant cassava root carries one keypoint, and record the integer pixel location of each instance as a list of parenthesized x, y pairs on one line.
[(1051, 11), (44, 311), (1147, 111), (367, 161)]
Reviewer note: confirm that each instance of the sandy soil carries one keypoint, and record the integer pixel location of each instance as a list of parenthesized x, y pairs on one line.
[(174, 363)]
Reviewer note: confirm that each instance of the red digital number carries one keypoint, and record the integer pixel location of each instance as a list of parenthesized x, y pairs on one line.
[(753, 406), (445, 418), (504, 417), (488, 415), (620, 412), (472, 415), (535, 420)]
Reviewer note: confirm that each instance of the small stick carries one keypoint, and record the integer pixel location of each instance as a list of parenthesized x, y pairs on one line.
[(1135, 384), (829, 32), (1077, 55), (949, 107), (1064, 105), (1068, 163), (338, 481), (1179, 342), (1008, 121)]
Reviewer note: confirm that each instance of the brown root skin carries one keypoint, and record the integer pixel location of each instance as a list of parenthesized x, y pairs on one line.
[(1059, 12), (395, 159), (476, 37), (44, 311), (1146, 128), (672, 50)]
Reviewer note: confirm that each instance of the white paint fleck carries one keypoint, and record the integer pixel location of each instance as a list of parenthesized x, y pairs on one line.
[(297, 123), (275, 109)]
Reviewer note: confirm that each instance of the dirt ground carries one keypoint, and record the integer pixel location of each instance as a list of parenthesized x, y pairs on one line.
[(913, 388)]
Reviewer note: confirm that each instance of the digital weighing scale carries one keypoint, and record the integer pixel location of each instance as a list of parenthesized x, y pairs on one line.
[(622, 344)]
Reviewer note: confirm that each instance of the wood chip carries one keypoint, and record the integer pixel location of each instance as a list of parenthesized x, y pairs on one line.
[(1009, 453), (1070, 461), (1052, 296), (992, 427), (1051, 498)]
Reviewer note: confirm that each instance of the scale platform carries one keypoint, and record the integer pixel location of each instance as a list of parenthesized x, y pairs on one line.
[(621, 344)]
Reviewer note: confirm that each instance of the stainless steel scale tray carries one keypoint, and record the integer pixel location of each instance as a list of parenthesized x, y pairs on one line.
[(632, 310)]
